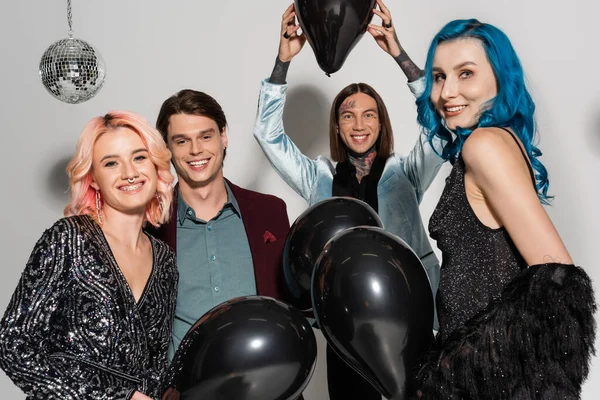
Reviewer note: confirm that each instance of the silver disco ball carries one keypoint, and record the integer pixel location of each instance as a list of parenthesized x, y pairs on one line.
[(72, 70)]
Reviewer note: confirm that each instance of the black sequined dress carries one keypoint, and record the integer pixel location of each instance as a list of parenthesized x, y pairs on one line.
[(477, 261), (73, 330)]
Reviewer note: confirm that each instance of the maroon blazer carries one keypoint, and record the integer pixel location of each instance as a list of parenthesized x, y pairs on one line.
[(266, 222)]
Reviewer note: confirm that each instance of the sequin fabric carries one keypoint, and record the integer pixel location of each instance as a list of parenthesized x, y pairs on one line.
[(477, 261), (73, 330)]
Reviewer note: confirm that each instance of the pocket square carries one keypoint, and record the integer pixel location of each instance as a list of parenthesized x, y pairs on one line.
[(268, 237)]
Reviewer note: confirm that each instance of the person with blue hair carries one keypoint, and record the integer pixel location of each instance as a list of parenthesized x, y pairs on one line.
[(515, 314)]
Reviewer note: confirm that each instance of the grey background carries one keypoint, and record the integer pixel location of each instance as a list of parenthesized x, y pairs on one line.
[(154, 48)]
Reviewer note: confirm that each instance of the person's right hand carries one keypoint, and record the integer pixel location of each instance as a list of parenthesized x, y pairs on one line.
[(171, 394), (290, 42), (140, 396)]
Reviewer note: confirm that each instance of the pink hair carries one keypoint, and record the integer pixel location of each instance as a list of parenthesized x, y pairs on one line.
[(83, 195)]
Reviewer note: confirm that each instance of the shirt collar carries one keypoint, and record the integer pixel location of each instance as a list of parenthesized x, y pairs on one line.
[(185, 211), (232, 200), (182, 207)]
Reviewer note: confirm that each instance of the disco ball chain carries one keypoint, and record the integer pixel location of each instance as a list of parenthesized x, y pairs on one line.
[(70, 18), (72, 70)]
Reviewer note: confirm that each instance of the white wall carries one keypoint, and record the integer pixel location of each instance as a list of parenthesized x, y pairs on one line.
[(154, 48)]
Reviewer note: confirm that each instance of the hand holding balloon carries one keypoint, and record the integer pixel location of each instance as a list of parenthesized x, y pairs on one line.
[(385, 34), (290, 42), (386, 37)]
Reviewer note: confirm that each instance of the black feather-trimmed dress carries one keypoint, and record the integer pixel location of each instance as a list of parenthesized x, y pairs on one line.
[(73, 329), (507, 331)]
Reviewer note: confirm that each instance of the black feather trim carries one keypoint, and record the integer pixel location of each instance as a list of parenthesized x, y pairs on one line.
[(534, 342)]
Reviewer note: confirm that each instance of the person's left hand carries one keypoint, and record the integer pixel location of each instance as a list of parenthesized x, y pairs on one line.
[(384, 34)]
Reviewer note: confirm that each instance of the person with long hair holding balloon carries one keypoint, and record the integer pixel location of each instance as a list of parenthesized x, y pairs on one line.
[(516, 316), (92, 314), (361, 141)]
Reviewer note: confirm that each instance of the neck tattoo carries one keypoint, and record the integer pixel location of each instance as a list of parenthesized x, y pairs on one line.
[(363, 162)]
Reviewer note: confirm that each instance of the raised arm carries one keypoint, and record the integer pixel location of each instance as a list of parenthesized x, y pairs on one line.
[(26, 327), (290, 44), (422, 164), (386, 37), (498, 171), (297, 170)]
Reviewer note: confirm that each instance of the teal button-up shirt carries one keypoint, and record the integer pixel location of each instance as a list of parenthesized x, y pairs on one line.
[(214, 263)]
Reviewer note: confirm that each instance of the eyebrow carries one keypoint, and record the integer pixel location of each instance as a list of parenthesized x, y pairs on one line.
[(459, 66), (140, 150), (364, 111), (186, 135)]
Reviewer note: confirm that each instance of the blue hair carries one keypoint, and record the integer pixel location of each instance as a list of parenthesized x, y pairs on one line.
[(511, 107)]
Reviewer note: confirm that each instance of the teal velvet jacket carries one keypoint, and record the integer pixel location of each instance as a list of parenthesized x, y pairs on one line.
[(400, 189)]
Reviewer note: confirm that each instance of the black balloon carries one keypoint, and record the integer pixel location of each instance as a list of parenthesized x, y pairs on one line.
[(333, 28), (309, 234), (248, 348), (374, 305)]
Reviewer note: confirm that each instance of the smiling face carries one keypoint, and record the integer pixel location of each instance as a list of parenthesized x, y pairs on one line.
[(198, 149), (463, 81), (119, 157), (358, 122)]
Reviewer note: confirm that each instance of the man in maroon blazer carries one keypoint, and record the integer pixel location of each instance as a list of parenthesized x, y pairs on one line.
[(229, 240)]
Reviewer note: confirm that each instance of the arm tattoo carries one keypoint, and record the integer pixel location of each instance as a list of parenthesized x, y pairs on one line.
[(409, 68), (549, 259), (279, 72)]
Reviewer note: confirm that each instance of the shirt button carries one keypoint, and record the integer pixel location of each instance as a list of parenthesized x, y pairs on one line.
[(190, 212), (213, 258), (209, 228), (217, 288)]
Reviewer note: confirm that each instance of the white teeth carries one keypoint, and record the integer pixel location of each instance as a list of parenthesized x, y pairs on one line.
[(131, 188), (453, 109), (198, 163), (361, 137)]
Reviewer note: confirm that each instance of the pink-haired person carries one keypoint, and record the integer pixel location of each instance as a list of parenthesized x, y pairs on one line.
[(91, 316)]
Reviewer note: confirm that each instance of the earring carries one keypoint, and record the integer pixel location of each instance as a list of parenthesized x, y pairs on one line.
[(98, 208), (161, 205)]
